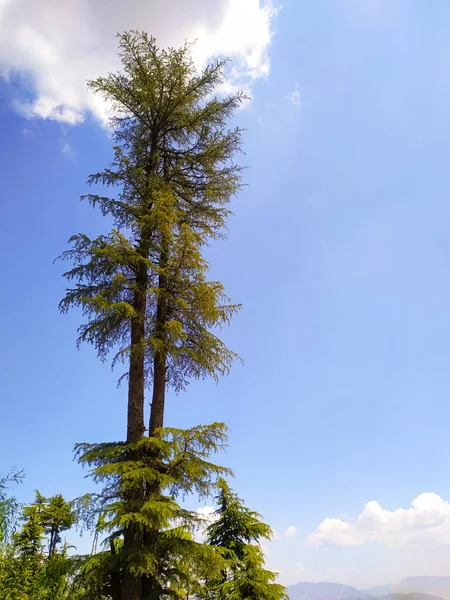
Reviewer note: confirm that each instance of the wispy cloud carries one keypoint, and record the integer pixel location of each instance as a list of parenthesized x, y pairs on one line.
[(67, 150), (28, 133), (295, 97)]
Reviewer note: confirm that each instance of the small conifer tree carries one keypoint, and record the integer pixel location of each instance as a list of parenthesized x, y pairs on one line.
[(56, 516), (29, 547), (237, 532)]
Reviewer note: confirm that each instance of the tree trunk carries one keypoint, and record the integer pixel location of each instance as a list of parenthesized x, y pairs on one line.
[(114, 589), (149, 584), (53, 537), (136, 375), (156, 421), (159, 392), (160, 359), (132, 585)]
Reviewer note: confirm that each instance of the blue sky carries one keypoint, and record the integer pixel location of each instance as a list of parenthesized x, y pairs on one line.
[(339, 250)]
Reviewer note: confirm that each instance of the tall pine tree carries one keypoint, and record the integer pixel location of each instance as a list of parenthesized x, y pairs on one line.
[(143, 286)]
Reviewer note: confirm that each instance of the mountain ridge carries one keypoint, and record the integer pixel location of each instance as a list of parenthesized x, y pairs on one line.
[(425, 587), (323, 590)]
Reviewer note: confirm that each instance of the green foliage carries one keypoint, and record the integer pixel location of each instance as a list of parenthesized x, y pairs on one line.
[(174, 175), (249, 579), (27, 572), (9, 506), (56, 515), (29, 540), (173, 464), (236, 533), (236, 525), (54, 580)]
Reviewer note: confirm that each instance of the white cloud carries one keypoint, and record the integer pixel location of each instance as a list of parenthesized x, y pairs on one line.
[(291, 531), (426, 522), (207, 513), (295, 97), (68, 151), (58, 45)]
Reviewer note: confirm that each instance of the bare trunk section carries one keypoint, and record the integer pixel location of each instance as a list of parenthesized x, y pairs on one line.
[(136, 380), (114, 588), (159, 393), (160, 359), (150, 586), (132, 585)]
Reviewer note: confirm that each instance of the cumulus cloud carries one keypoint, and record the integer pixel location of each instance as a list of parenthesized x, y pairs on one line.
[(56, 46), (295, 97), (208, 515), (426, 522), (291, 531)]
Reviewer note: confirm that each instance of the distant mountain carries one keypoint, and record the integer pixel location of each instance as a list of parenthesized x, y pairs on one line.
[(426, 580), (325, 591), (411, 596), (380, 590), (411, 588), (434, 586)]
